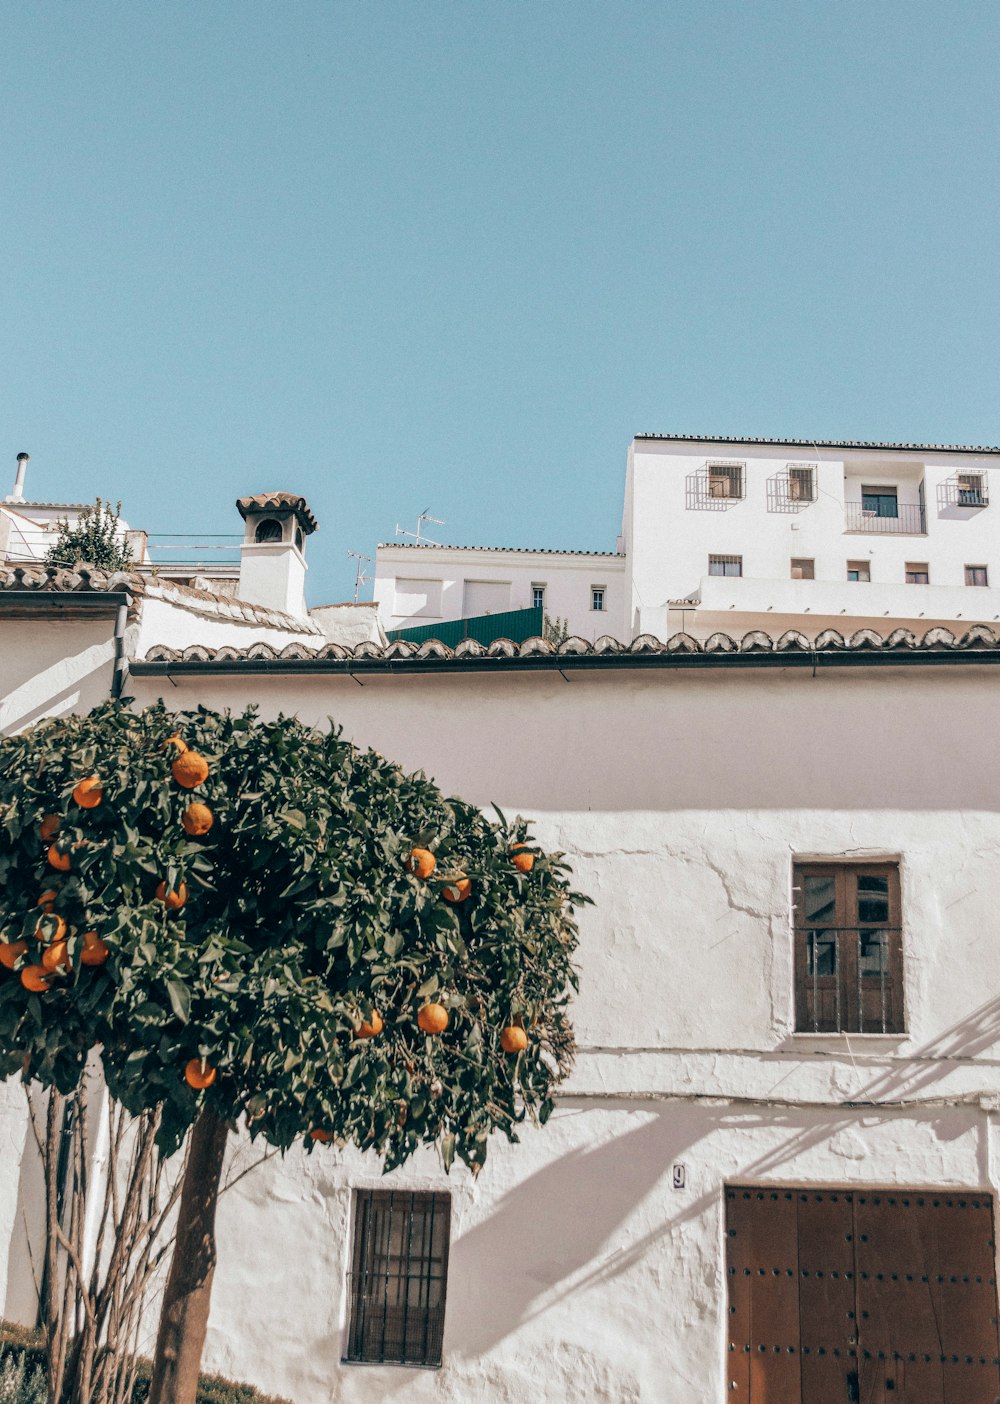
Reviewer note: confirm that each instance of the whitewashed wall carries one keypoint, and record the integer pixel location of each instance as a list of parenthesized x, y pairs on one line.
[(577, 1271), (50, 665), (427, 585), (669, 541)]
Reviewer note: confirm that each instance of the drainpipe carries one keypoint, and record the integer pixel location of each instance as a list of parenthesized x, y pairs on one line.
[(121, 661)]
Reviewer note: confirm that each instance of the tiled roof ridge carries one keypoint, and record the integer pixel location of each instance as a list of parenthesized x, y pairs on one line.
[(279, 501), (830, 641), (81, 579), (515, 550), (228, 607), (820, 443)]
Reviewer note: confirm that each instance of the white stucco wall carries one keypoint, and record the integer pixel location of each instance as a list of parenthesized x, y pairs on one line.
[(50, 665), (568, 580), (577, 1271), (670, 539)]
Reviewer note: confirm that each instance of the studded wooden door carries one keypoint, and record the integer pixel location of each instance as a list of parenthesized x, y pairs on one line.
[(879, 1298)]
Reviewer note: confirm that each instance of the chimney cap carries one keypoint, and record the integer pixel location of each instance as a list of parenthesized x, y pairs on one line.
[(22, 455), (282, 503)]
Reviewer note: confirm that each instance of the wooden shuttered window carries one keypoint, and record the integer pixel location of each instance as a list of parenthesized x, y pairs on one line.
[(848, 948), (399, 1276)]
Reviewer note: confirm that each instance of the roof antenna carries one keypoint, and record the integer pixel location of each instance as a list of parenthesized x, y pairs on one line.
[(425, 516), (22, 463), (361, 578)]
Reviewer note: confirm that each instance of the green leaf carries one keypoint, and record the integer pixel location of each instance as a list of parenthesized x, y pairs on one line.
[(180, 999)]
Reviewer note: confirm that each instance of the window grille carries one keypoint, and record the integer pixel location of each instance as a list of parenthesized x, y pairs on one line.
[(848, 948), (803, 569), (399, 1276), (597, 598), (725, 480), (801, 484), (971, 490), (917, 573), (976, 575), (725, 565)]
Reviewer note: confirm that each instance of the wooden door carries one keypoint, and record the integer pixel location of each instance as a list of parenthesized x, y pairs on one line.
[(882, 1298)]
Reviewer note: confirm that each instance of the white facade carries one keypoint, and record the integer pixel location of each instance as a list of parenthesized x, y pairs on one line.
[(419, 585), (768, 514)]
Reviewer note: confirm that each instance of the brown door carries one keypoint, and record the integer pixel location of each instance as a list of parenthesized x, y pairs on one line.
[(879, 1298)]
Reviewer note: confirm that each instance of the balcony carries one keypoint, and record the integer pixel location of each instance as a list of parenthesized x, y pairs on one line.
[(905, 520)]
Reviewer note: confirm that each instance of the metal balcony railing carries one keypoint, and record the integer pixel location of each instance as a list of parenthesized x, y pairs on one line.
[(907, 520)]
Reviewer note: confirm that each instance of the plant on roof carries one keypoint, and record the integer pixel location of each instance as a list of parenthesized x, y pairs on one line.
[(96, 539), (257, 920)]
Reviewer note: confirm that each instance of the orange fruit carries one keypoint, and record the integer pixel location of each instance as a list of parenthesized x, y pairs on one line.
[(95, 951), (369, 1028), (457, 891), (317, 1134), (433, 1018), (197, 819), (513, 1039), (421, 862), (57, 860), (189, 769), (523, 860), (58, 932), (199, 1074), (11, 952), (48, 900), (56, 957), (49, 826), (88, 793), (35, 978), (173, 901), (176, 741)]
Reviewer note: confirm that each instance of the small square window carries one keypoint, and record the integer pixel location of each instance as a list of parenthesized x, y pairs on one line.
[(917, 573), (976, 575), (859, 570), (801, 485), (538, 597), (971, 490), (399, 1274), (803, 569), (725, 480), (725, 565), (597, 598)]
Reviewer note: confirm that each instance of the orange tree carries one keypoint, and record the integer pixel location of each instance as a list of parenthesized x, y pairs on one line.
[(256, 919)]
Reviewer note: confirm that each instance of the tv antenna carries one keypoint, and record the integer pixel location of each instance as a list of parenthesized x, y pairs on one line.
[(361, 578), (425, 516)]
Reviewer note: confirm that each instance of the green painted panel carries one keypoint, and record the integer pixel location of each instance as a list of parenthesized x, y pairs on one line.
[(514, 624)]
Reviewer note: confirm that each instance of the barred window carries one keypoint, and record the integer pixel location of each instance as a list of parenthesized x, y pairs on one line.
[(848, 948), (801, 485), (725, 565), (399, 1275), (725, 480)]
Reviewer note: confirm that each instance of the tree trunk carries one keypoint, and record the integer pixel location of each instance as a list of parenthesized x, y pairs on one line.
[(184, 1316)]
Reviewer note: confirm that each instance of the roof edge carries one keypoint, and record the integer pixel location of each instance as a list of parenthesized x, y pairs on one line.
[(818, 443)]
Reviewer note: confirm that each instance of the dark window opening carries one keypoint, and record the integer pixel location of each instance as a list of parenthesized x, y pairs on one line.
[(268, 530), (976, 575), (803, 569), (725, 480), (858, 570), (917, 573), (725, 565), (879, 501), (399, 1276)]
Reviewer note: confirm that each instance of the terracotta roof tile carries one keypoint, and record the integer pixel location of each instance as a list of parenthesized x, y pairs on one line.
[(279, 502)]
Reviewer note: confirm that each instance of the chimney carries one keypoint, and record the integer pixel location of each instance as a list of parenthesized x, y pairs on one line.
[(22, 463), (272, 557)]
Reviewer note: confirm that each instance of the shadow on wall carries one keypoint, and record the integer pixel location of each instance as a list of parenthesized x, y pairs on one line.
[(26, 1249), (550, 1227)]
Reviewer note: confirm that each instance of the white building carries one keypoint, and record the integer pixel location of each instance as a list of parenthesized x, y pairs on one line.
[(772, 1177), (735, 535)]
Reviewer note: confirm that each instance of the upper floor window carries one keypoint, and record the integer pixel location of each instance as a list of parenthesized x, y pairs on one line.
[(917, 573), (725, 480), (538, 597), (858, 570), (725, 565), (976, 575), (971, 490), (880, 501), (848, 948), (801, 484), (399, 1274), (597, 597), (803, 569)]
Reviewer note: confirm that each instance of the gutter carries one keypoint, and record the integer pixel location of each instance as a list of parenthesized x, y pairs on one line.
[(569, 663), (91, 601)]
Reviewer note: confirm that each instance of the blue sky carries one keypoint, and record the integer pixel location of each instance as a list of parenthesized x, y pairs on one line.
[(400, 255)]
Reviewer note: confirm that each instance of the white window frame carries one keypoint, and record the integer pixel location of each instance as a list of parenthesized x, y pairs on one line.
[(601, 590)]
